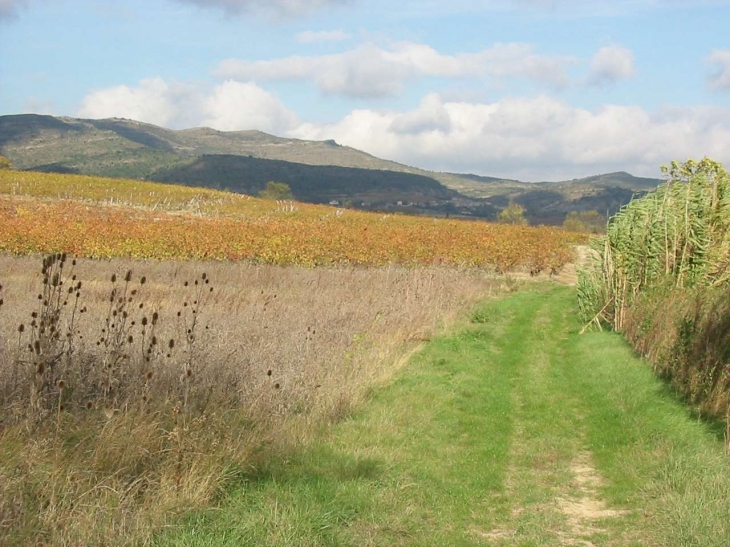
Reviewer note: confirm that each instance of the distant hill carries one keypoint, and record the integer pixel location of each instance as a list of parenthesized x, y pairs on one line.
[(313, 183), (317, 171)]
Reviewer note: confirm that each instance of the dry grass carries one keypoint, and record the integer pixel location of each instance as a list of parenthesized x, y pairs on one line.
[(686, 337), (104, 445)]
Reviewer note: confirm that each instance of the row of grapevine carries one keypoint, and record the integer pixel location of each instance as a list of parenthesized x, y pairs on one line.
[(223, 226)]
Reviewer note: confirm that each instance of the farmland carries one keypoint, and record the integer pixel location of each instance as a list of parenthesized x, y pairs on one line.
[(181, 366), (103, 218), (198, 325)]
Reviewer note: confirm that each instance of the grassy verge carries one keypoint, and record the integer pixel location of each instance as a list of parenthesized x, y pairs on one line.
[(102, 444), (513, 431)]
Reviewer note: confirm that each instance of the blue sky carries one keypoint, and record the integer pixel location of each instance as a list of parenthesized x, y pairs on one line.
[(531, 89)]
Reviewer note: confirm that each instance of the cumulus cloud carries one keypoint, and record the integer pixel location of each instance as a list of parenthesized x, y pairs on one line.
[(611, 64), (601, 7), (153, 100), (557, 8), (235, 105), (719, 77), (228, 106), (9, 8), (312, 37), (532, 139), (277, 7), (538, 138), (371, 71), (429, 116)]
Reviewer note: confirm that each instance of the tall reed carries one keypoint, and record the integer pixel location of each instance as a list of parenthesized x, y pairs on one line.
[(661, 276)]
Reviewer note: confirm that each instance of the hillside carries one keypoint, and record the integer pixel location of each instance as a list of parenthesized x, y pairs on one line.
[(317, 171), (312, 183), (124, 147)]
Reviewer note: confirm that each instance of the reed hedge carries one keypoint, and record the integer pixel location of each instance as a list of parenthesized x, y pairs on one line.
[(661, 276)]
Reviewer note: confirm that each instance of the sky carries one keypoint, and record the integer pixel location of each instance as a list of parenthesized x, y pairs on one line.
[(527, 89)]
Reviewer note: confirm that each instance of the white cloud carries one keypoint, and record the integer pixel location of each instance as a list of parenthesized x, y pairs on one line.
[(312, 37), (276, 7), (235, 105), (570, 9), (371, 71), (430, 116), (611, 64), (601, 7), (152, 101), (228, 106), (9, 8), (719, 78), (533, 139)]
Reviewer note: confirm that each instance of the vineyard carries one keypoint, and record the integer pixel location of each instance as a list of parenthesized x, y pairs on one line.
[(102, 218)]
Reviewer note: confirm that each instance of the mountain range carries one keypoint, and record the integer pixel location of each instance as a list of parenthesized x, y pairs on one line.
[(316, 171)]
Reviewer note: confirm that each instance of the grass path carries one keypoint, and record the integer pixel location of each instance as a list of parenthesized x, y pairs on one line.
[(513, 431)]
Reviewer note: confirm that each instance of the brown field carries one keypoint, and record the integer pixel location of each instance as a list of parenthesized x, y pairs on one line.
[(106, 218), (105, 436)]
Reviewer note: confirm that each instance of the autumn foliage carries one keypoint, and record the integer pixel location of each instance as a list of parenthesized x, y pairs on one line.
[(102, 218)]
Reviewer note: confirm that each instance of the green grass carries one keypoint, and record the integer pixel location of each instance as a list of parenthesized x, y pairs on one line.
[(514, 430)]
